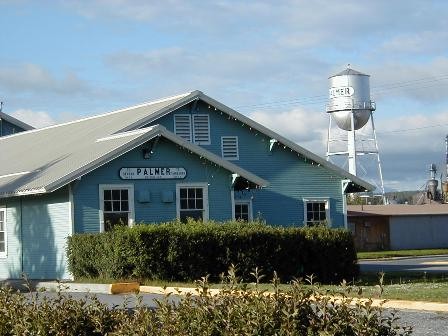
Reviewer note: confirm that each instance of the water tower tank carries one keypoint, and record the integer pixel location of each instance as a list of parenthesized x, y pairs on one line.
[(350, 93)]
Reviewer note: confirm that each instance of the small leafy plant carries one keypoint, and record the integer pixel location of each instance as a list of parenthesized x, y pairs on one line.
[(238, 309)]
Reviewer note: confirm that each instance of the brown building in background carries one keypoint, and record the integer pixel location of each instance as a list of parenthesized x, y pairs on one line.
[(398, 226)]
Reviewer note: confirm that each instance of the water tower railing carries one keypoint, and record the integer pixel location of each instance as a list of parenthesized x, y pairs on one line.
[(351, 105)]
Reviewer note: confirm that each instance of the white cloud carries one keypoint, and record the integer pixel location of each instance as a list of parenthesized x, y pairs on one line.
[(36, 79), (305, 127), (419, 81), (37, 119), (416, 42)]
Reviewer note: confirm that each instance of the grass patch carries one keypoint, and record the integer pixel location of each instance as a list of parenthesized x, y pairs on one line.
[(414, 286), (421, 291), (400, 253)]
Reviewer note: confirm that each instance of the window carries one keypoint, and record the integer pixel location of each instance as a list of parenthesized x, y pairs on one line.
[(197, 131), (2, 232), (182, 126), (116, 206), (201, 129), (192, 201), (229, 147), (316, 212), (243, 210)]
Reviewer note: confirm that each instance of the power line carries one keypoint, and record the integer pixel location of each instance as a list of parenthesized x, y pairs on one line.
[(321, 99), (413, 129)]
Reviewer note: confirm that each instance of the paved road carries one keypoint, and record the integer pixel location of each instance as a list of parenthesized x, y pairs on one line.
[(433, 264), (115, 300)]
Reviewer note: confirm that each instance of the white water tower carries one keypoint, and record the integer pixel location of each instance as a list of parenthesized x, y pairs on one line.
[(350, 135)]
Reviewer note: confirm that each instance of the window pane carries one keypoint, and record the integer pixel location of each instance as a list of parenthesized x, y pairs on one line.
[(183, 193), (191, 204), (198, 192), (199, 204), (107, 206), (183, 204), (323, 216), (115, 194), (116, 206), (237, 211), (191, 193), (114, 219), (124, 206), (124, 195), (2, 236), (2, 216), (2, 226), (107, 194), (195, 214), (2, 247)]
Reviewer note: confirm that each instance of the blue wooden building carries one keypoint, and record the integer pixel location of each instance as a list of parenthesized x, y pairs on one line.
[(10, 125), (179, 157)]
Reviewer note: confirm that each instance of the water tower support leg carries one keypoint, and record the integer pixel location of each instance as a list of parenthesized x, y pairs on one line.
[(352, 147), (380, 172), (328, 137)]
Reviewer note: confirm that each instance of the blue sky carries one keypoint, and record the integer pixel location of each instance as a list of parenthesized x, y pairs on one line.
[(270, 60)]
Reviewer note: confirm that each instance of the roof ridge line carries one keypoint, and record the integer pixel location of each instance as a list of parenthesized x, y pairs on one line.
[(103, 114)]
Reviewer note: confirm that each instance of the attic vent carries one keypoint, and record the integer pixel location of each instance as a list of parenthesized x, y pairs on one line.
[(229, 147), (201, 129), (182, 126)]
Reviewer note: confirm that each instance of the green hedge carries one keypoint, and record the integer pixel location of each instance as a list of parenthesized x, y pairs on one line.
[(184, 252)]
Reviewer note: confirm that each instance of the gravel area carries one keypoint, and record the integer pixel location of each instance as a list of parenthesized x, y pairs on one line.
[(425, 323)]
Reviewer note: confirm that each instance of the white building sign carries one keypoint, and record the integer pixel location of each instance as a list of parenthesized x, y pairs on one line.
[(152, 173), (342, 91)]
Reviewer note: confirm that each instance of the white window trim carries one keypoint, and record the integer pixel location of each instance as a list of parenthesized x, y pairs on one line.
[(194, 132), (130, 188), (5, 253), (189, 120), (202, 185), (317, 199), (237, 147), (244, 201)]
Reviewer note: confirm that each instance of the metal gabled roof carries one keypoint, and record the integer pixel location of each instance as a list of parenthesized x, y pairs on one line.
[(25, 156), (31, 155), (92, 154), (15, 121)]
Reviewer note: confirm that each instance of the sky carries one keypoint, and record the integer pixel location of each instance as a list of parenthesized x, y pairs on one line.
[(270, 60)]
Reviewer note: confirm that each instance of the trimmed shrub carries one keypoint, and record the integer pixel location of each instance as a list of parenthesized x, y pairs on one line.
[(185, 252)]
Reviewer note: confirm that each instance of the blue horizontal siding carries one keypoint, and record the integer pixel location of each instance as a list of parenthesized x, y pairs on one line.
[(292, 178), (45, 227), (166, 154), (10, 267), (37, 228)]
